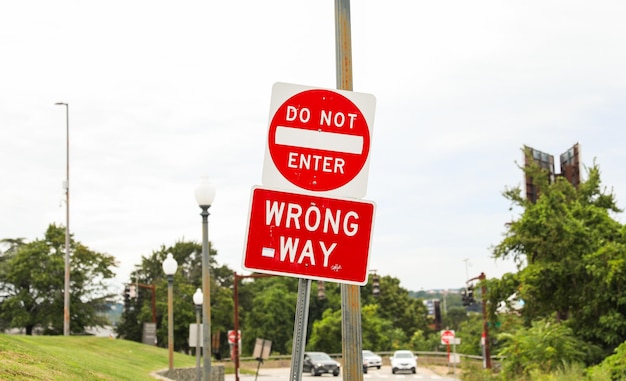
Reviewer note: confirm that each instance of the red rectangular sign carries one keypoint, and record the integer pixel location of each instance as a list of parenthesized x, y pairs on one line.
[(308, 236)]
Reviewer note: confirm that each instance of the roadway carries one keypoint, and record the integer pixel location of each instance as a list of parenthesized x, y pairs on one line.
[(373, 374)]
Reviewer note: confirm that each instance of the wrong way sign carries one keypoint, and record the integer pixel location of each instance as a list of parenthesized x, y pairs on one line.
[(319, 140), (307, 236)]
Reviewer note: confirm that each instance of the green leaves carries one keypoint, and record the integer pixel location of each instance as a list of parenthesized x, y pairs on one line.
[(571, 254), (33, 278)]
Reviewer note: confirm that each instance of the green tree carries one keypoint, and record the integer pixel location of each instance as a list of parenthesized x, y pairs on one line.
[(404, 312), (375, 329), (33, 282), (272, 315), (612, 368), (571, 254), (454, 317), (187, 279), (544, 347), (326, 333)]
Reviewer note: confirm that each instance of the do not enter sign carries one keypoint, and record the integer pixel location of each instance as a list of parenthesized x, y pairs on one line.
[(319, 140), (447, 336), (233, 336)]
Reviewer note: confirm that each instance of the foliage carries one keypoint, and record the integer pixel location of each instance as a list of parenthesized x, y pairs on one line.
[(612, 368), (454, 317), (273, 315), (470, 332), (574, 372), (421, 341), (33, 282), (544, 347), (375, 329), (571, 254), (325, 333), (187, 279), (405, 313)]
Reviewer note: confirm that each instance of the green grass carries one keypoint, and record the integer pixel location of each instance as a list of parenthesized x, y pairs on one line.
[(82, 358)]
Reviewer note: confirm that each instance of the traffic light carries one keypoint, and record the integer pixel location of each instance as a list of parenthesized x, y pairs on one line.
[(126, 293), (375, 285), (467, 295), (437, 308), (321, 294), (130, 292)]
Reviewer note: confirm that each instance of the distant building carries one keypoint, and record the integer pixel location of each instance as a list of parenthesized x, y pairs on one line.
[(570, 168)]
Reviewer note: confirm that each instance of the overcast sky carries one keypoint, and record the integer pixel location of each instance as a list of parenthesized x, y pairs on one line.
[(161, 93)]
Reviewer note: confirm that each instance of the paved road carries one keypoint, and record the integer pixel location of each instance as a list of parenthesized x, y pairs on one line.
[(383, 374)]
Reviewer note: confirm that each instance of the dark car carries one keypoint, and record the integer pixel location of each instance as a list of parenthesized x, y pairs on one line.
[(318, 363)]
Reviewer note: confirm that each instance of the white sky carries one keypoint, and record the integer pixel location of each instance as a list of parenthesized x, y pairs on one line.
[(163, 92)]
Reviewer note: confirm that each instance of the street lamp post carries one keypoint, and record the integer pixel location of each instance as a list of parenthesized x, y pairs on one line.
[(66, 186), (197, 300), (169, 268), (205, 194)]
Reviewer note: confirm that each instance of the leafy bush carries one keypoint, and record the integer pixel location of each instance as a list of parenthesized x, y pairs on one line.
[(612, 368)]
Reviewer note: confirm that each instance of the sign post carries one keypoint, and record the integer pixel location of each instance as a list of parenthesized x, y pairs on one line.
[(447, 337)]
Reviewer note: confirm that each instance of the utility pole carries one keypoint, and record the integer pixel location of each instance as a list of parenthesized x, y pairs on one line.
[(483, 290)]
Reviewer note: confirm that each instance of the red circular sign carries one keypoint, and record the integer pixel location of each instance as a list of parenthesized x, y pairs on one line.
[(446, 336), (232, 336), (319, 140)]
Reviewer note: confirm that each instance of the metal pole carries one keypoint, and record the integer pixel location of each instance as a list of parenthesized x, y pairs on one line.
[(206, 295), (350, 294), (198, 369), (343, 45), (236, 344), (153, 289), (483, 290), (170, 322), (299, 329), (66, 296)]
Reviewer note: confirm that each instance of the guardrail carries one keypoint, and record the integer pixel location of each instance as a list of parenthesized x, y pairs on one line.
[(428, 358)]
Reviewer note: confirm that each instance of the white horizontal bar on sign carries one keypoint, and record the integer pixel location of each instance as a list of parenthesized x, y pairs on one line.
[(328, 141)]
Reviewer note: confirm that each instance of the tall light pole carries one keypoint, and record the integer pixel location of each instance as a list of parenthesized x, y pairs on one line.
[(169, 268), (197, 300), (205, 194), (66, 185)]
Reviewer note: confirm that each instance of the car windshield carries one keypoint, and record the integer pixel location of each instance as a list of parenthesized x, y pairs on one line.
[(368, 353), (319, 356), (404, 355)]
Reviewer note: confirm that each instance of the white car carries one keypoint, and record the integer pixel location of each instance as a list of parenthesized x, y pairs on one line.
[(372, 360), (403, 361)]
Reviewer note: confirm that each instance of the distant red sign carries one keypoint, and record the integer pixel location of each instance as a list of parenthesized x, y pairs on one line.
[(447, 336), (232, 336), (308, 236)]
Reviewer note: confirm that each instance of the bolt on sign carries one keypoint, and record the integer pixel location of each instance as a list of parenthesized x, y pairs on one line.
[(308, 236), (319, 140)]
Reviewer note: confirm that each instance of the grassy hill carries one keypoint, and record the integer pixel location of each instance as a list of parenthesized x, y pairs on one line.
[(82, 358)]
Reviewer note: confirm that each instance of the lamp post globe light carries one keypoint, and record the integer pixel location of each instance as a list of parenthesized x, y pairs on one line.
[(66, 186), (205, 194), (197, 300), (169, 268)]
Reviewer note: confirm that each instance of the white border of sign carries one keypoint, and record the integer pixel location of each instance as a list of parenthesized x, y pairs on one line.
[(272, 178)]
